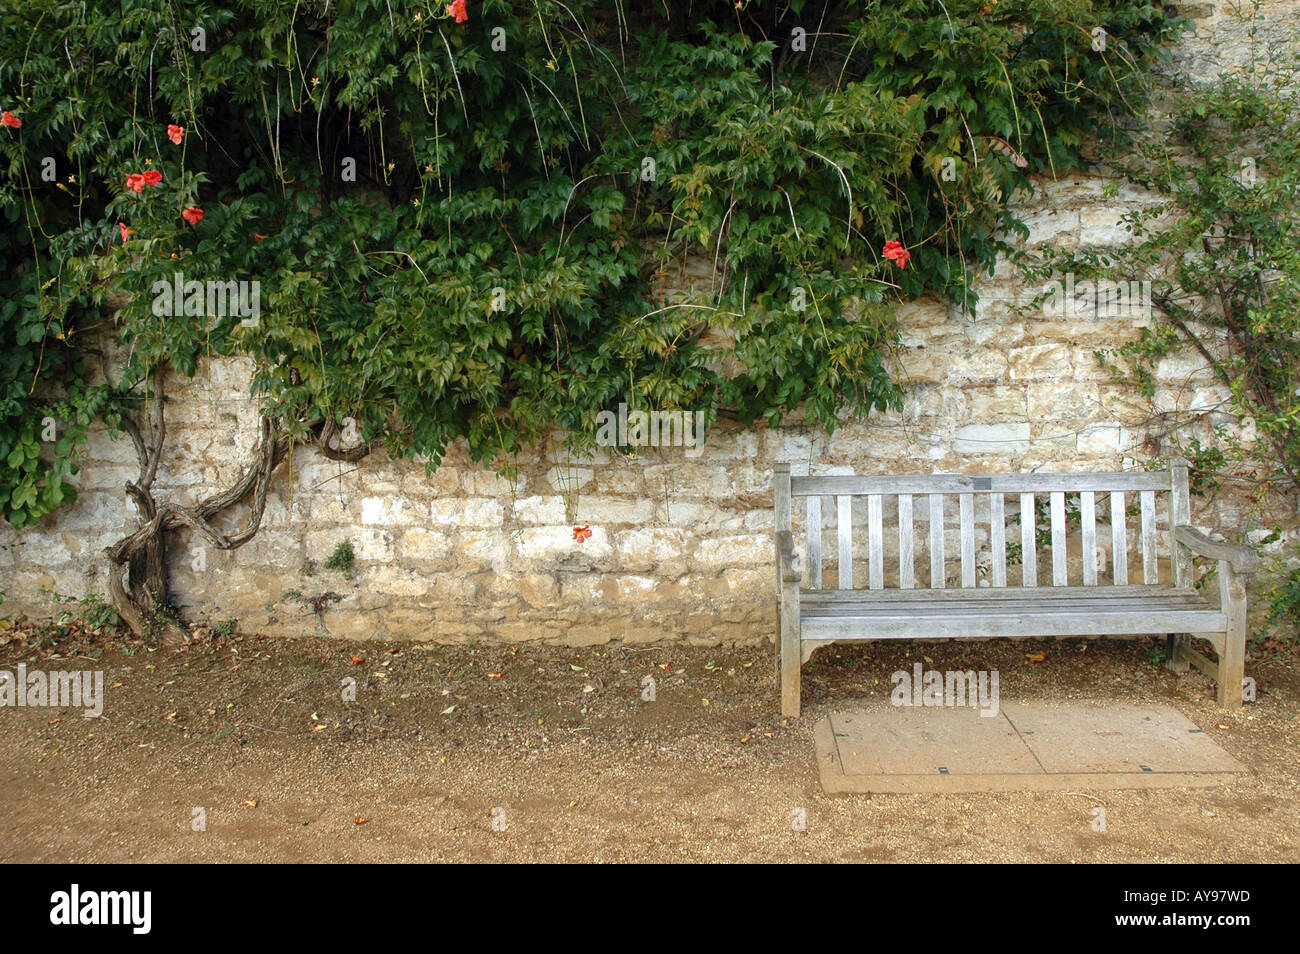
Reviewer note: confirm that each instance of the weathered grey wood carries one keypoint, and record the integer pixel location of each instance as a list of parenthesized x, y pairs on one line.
[(1118, 538), (875, 548), (1187, 654), (844, 528), (1180, 515), (966, 483), (1150, 562), (936, 542), (817, 617), (967, 522), (1059, 552), (814, 543), (1088, 522), (789, 628), (781, 495), (1137, 594), (906, 570), (791, 636), (1092, 622), (1243, 559), (1232, 656), (1028, 542), (998, 539), (1175, 652), (781, 513), (812, 644)]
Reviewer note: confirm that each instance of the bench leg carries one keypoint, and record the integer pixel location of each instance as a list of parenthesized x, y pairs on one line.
[(1175, 661), (790, 661), (1232, 660)]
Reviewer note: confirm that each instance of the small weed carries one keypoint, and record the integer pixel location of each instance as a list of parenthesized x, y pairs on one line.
[(342, 558)]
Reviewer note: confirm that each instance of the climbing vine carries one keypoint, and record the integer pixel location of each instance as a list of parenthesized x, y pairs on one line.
[(1221, 250), (461, 218)]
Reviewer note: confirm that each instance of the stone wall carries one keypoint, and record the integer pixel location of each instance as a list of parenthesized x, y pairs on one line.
[(681, 546)]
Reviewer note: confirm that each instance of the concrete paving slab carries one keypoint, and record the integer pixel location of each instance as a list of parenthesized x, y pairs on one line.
[(1116, 738), (1025, 747)]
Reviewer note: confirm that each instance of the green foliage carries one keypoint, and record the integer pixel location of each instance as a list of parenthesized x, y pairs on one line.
[(1223, 256), (342, 558), (92, 610), (491, 274)]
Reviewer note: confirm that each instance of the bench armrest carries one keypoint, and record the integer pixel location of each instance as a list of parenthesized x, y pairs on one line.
[(1242, 559), (791, 565)]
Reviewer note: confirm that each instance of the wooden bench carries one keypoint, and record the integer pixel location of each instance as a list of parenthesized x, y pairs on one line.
[(1102, 601)]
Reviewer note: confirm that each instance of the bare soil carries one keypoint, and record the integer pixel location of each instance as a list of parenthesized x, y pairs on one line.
[(444, 746)]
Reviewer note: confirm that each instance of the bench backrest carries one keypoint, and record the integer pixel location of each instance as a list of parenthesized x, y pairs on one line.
[(982, 504)]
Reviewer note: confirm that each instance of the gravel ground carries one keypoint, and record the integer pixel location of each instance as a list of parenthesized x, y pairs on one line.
[(546, 753)]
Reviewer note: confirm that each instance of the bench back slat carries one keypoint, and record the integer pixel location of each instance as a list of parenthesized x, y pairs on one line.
[(813, 552), (844, 527), (1028, 541), (875, 541), (906, 567), (998, 539), (1118, 538), (1088, 526), (937, 581), (966, 483), (967, 511), (1150, 568), (1059, 552)]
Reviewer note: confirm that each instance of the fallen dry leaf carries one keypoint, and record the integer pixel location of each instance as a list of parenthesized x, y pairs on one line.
[(251, 802), (1035, 657)]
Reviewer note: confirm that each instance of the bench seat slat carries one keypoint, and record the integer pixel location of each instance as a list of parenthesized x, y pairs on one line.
[(910, 623), (1046, 595)]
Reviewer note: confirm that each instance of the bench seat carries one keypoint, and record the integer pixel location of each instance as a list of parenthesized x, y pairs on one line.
[(989, 612)]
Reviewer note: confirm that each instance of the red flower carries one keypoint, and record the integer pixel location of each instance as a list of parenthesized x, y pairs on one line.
[(457, 9), (134, 181), (152, 177), (9, 119), (175, 133), (125, 231), (193, 215), (895, 251), (581, 533), (258, 236)]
